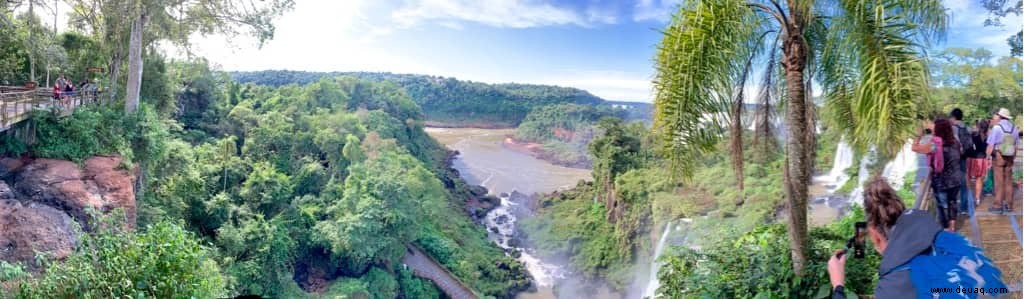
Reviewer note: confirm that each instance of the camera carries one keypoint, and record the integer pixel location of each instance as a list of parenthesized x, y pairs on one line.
[(856, 243)]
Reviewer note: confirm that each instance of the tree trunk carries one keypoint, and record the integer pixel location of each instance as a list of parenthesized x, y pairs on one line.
[(115, 73), (796, 171), (31, 44), (736, 144), (131, 103)]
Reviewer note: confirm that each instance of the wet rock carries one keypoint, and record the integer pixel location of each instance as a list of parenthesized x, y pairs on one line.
[(476, 190), (27, 228), (501, 219), (9, 166), (100, 186)]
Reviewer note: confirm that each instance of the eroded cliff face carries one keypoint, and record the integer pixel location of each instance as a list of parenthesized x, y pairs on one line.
[(52, 201)]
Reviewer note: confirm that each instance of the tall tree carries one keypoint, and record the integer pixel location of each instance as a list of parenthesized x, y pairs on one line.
[(997, 9), (867, 54), (148, 21)]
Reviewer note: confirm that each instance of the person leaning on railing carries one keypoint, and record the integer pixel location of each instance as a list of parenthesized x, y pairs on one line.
[(918, 257)]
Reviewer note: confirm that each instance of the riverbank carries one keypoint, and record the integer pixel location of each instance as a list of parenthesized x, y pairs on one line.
[(467, 125), (539, 151)]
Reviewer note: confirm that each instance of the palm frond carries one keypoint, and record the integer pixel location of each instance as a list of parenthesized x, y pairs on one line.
[(696, 69), (874, 69)]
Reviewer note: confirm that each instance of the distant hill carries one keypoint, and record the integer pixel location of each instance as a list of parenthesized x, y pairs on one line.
[(448, 101)]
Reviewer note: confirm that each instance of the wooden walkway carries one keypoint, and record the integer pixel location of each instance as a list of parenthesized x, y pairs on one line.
[(424, 266), (999, 235), (17, 103)]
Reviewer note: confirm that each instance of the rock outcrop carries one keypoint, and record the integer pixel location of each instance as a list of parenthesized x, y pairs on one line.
[(39, 214), (27, 228), (100, 187)]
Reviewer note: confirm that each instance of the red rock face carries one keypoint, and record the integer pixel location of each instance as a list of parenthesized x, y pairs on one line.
[(100, 187), (31, 227)]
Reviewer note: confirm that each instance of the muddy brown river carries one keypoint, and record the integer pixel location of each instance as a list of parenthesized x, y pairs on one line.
[(483, 160)]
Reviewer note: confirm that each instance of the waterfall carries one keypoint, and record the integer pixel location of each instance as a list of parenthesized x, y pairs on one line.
[(857, 195), (843, 160), (652, 280), (897, 169)]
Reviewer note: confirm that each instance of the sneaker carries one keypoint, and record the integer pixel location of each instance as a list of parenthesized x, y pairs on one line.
[(1007, 209)]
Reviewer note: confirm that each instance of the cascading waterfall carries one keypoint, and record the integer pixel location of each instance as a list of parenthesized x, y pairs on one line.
[(652, 280), (897, 169), (843, 160), (857, 195)]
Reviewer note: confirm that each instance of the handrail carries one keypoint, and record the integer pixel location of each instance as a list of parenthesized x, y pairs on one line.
[(17, 103)]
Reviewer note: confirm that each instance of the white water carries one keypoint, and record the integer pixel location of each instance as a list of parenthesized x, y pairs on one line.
[(843, 160), (504, 220), (652, 282), (857, 195), (897, 169)]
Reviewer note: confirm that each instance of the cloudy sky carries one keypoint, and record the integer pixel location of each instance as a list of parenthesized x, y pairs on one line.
[(605, 47)]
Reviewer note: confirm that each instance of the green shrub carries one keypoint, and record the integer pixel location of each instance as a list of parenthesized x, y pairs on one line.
[(163, 261), (757, 264)]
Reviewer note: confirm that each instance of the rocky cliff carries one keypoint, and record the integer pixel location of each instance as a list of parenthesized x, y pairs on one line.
[(53, 200)]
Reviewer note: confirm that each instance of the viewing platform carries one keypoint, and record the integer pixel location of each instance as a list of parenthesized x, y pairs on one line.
[(17, 103)]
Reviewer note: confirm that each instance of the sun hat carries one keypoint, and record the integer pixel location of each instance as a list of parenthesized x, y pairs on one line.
[(1004, 113)]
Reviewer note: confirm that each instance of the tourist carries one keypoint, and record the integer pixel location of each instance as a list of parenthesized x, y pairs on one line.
[(56, 90), (916, 254), (963, 136), (944, 159), (977, 164), (1002, 142)]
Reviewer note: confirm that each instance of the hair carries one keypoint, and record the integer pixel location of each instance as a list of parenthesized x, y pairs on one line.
[(957, 114), (944, 130), (927, 131), (982, 125), (882, 205)]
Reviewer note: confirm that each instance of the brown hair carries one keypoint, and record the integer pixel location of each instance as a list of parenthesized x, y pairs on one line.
[(881, 205), (944, 130), (982, 125)]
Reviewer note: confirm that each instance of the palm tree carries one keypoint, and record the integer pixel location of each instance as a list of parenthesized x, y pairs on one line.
[(867, 54)]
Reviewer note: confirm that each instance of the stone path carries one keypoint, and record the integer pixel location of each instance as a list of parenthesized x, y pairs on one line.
[(424, 266)]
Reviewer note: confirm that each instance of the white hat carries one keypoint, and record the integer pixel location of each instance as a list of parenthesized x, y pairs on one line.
[(1004, 113)]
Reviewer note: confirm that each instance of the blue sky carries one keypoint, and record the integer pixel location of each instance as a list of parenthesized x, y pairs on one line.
[(605, 47)]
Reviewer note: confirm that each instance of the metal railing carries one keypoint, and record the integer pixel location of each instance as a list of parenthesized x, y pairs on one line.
[(17, 103)]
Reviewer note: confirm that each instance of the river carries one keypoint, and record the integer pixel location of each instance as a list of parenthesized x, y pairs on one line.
[(484, 160)]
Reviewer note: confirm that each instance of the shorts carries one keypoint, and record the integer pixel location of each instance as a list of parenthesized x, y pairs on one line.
[(977, 167)]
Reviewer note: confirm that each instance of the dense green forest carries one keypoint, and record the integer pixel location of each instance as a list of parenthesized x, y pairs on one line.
[(448, 101), (282, 192), (564, 130)]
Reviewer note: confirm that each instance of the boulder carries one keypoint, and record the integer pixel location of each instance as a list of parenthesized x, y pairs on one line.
[(100, 187), (27, 228)]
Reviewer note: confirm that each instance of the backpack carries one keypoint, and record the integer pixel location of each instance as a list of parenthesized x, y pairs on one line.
[(964, 137), (1007, 147), (935, 159), (953, 264)]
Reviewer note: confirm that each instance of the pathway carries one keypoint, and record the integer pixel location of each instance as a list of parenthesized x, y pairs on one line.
[(424, 266), (17, 103)]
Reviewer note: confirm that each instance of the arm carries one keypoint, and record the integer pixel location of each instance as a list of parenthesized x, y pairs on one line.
[(837, 274), (921, 148)]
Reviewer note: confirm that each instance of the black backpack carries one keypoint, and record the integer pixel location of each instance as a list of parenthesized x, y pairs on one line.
[(964, 137)]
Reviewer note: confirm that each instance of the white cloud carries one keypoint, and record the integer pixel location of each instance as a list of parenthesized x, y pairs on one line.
[(496, 13), (653, 10), (610, 85)]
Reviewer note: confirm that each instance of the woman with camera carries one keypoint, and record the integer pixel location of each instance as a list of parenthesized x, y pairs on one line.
[(918, 257)]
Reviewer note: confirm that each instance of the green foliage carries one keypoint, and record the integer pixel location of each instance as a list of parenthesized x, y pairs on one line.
[(11, 146), (447, 100), (100, 130), (163, 261), (968, 79), (756, 264), (413, 287)]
